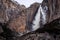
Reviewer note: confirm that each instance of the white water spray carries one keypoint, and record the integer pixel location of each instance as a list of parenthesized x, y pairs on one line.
[(36, 23), (37, 20)]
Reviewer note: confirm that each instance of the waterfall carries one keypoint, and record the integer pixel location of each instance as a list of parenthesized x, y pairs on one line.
[(43, 11), (36, 22)]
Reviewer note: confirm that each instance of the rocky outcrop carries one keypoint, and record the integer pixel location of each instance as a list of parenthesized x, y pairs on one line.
[(53, 21), (52, 15), (31, 12), (9, 9), (53, 9), (16, 20)]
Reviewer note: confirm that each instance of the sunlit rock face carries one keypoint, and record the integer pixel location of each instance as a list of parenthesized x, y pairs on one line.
[(17, 17), (23, 20), (9, 9), (18, 24), (53, 13), (22, 23), (31, 12)]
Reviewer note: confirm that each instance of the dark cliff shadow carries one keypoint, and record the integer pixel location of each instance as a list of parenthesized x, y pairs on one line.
[(7, 33), (52, 27)]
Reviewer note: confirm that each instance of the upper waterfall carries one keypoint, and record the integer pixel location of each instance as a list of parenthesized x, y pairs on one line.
[(36, 22)]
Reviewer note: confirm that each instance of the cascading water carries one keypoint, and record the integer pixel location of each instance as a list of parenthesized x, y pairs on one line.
[(36, 22), (41, 13), (44, 14)]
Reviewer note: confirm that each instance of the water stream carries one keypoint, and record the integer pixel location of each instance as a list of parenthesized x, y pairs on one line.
[(36, 22)]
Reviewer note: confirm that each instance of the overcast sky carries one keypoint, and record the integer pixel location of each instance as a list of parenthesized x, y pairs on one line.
[(27, 3)]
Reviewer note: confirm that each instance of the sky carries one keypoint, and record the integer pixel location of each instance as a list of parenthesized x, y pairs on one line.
[(27, 3)]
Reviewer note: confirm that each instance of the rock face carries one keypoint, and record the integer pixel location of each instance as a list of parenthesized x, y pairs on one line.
[(17, 16), (52, 15), (31, 12), (53, 9), (16, 20), (9, 10), (21, 23)]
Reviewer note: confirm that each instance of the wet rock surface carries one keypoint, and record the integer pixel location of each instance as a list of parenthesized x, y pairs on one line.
[(38, 36)]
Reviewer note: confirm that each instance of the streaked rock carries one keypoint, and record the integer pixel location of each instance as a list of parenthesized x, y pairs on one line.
[(21, 23)]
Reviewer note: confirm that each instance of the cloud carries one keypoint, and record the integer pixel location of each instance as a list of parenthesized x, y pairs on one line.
[(27, 3)]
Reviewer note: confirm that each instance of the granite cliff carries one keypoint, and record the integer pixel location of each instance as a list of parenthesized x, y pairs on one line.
[(16, 21)]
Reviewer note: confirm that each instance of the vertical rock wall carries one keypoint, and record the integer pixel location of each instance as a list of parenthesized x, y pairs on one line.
[(53, 9)]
